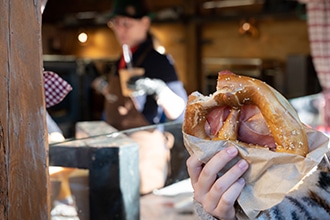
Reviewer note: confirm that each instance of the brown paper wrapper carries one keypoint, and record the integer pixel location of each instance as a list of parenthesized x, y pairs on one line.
[(271, 175), (125, 75)]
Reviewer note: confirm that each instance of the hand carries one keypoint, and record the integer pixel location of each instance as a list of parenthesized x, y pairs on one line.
[(217, 196), (100, 85), (146, 85), (55, 137)]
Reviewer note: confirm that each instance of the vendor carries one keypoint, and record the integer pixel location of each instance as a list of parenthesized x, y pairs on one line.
[(159, 95)]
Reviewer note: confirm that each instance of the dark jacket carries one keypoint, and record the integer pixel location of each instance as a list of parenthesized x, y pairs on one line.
[(158, 66)]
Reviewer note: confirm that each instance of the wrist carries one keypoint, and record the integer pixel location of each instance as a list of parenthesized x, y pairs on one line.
[(162, 94), (161, 90)]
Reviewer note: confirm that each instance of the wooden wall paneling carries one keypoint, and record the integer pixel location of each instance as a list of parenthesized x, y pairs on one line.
[(23, 155), (193, 49), (193, 58)]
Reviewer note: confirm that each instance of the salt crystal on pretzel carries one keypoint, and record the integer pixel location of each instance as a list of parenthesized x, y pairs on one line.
[(237, 94)]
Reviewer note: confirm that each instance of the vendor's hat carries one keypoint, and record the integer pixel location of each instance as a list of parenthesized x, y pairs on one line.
[(129, 8)]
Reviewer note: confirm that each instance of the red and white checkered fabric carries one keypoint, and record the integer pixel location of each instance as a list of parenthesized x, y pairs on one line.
[(319, 36), (318, 20), (56, 88)]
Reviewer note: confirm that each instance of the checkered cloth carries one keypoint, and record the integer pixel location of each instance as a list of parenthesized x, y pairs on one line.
[(319, 34), (56, 88), (318, 20)]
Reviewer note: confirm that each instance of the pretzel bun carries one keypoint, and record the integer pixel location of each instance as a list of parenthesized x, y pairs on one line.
[(246, 110)]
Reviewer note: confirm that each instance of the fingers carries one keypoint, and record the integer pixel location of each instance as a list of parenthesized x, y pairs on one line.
[(230, 177), (231, 194), (194, 167), (212, 168), (225, 188), (233, 184), (217, 196), (225, 207)]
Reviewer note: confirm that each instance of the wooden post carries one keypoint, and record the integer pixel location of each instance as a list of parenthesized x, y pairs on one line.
[(24, 181), (193, 47)]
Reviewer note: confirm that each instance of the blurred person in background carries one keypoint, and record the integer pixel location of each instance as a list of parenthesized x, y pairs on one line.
[(64, 205), (157, 95), (56, 89)]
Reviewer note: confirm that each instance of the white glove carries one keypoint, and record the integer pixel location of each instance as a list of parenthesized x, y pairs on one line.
[(146, 85)]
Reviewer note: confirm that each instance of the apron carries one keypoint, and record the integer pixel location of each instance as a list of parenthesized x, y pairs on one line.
[(120, 110), (154, 151)]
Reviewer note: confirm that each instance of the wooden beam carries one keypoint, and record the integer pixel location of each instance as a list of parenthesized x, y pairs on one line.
[(23, 154), (193, 48)]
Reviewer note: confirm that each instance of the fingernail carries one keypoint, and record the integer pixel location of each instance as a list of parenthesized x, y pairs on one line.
[(242, 164), (231, 151), (241, 181)]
